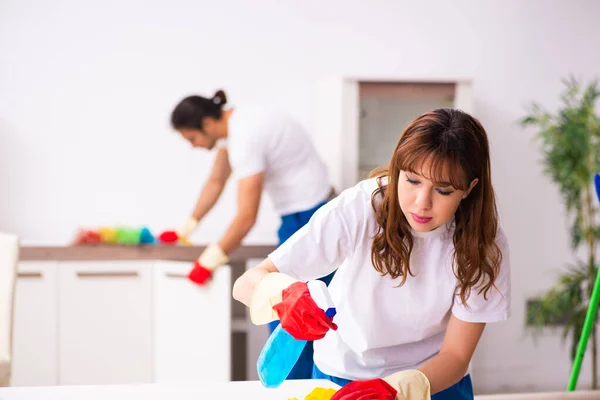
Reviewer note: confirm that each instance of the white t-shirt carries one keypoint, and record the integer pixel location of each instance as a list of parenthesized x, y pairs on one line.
[(383, 328), (269, 140)]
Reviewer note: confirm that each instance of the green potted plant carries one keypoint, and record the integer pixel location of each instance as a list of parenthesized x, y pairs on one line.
[(570, 142)]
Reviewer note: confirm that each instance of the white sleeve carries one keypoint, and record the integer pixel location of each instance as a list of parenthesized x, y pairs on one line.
[(497, 306), (248, 156), (320, 247)]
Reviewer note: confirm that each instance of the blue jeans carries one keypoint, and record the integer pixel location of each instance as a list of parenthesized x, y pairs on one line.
[(463, 390), (290, 224)]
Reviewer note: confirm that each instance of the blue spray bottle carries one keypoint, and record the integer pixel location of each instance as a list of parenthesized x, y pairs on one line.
[(281, 351)]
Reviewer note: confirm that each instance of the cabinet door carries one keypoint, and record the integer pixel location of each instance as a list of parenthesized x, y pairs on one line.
[(192, 326), (105, 319), (34, 356)]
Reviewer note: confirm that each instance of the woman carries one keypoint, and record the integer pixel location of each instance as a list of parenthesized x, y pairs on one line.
[(422, 266)]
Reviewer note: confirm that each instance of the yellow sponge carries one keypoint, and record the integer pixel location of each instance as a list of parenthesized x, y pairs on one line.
[(318, 393), (185, 241)]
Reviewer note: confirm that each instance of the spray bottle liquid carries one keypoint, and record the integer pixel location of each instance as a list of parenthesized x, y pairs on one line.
[(281, 351)]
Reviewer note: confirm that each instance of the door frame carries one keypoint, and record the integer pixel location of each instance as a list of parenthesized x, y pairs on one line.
[(338, 113)]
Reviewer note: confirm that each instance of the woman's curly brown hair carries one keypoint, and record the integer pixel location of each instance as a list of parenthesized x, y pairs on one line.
[(453, 139)]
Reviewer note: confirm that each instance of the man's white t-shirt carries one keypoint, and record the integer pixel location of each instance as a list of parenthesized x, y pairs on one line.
[(271, 141), (383, 328)]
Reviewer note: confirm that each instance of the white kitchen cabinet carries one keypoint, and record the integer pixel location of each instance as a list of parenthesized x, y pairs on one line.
[(118, 322), (192, 325), (34, 355), (105, 322)]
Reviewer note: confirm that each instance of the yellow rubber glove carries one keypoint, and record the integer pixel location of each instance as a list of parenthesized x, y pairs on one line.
[(210, 259), (267, 294), (187, 228), (411, 384), (213, 257)]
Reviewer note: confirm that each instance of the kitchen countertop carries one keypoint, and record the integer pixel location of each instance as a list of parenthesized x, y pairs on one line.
[(150, 252)]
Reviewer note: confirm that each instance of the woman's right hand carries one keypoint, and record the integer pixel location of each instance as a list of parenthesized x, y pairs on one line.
[(300, 316)]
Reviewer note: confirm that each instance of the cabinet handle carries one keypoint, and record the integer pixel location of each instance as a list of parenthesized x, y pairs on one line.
[(175, 275), (107, 274), (29, 275)]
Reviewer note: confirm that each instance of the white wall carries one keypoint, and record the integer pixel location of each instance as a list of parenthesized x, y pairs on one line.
[(86, 89)]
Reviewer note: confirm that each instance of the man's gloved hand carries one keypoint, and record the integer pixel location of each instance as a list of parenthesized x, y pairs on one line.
[(187, 228), (404, 385), (210, 259), (300, 316)]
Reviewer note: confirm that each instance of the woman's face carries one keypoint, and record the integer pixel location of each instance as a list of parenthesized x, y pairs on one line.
[(425, 204)]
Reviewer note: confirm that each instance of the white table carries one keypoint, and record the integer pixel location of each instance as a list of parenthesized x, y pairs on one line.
[(225, 390)]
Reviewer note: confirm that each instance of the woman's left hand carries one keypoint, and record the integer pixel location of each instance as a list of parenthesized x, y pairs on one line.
[(371, 389)]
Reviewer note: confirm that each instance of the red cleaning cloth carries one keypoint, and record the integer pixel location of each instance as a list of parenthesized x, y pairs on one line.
[(87, 237), (168, 237), (92, 237)]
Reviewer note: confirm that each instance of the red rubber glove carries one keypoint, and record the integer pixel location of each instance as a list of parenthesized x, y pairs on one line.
[(300, 316), (199, 274), (371, 389)]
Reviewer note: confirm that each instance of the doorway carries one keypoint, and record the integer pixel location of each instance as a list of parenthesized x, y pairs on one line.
[(359, 121), (386, 109)]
